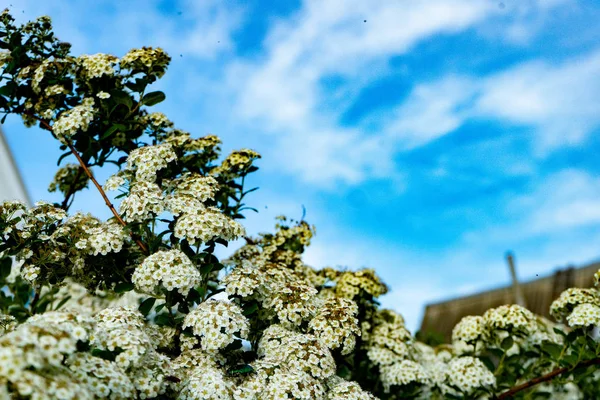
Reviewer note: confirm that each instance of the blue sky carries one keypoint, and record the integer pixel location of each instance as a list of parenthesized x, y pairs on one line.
[(424, 138)]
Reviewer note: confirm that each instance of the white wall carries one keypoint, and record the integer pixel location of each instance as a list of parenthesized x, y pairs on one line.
[(11, 185)]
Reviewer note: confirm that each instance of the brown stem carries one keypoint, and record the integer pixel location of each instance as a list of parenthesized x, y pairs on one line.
[(544, 378), (87, 171), (103, 194)]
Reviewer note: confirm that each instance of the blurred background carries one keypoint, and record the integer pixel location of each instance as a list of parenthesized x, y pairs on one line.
[(425, 139)]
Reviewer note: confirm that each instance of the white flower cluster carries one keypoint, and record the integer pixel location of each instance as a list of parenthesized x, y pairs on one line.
[(346, 390), (74, 120), (350, 283), (101, 377), (470, 330), (56, 90), (336, 325), (570, 299), (144, 201), (236, 162), (296, 351), (5, 57), (148, 160), (201, 377), (122, 328), (97, 65), (117, 180), (584, 315), (103, 239), (207, 384), (388, 340), (247, 282), (469, 374), (41, 71), (152, 61), (189, 193), (511, 317), (294, 303), (68, 177), (170, 269), (273, 383), (403, 373), (217, 324), (157, 120), (122, 331), (8, 323), (39, 217), (32, 355), (208, 224)]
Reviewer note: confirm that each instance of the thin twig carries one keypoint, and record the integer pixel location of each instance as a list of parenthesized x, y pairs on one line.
[(94, 181), (544, 378)]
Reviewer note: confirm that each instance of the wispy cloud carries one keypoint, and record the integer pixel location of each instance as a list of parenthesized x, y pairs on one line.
[(558, 102), (282, 89)]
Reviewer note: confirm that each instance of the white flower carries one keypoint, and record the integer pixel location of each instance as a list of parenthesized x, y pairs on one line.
[(584, 315), (170, 269), (469, 374), (76, 119), (217, 323)]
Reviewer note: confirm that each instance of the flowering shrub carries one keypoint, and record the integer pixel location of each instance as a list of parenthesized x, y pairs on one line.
[(139, 306)]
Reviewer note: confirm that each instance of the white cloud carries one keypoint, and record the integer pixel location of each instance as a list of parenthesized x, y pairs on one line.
[(281, 89), (431, 111), (566, 200), (558, 102)]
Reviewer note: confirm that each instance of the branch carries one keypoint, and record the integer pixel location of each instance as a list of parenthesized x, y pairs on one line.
[(544, 378), (89, 174)]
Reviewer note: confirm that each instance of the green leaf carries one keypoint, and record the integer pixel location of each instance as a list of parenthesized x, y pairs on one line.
[(251, 310), (62, 302), (42, 306), (552, 349), (193, 296), (122, 98), (153, 98), (123, 287), (507, 343), (138, 86), (104, 354), (205, 269), (250, 190), (113, 129), (5, 267), (569, 360), (560, 332), (221, 241), (162, 320), (147, 305), (488, 363)]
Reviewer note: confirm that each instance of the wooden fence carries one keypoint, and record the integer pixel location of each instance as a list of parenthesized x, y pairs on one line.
[(441, 317)]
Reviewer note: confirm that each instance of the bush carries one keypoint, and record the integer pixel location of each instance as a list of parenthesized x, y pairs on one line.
[(139, 306)]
